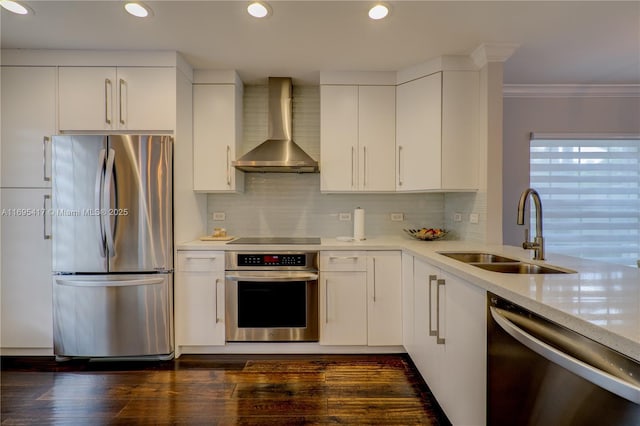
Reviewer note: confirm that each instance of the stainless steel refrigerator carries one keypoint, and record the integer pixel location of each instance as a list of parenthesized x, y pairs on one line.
[(112, 238)]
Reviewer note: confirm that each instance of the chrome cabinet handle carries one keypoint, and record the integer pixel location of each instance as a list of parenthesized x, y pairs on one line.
[(216, 289), (432, 331), (354, 258), (400, 165), (201, 258), (353, 156), (326, 301), (107, 101), (586, 371), (364, 177), (44, 158), (122, 83), (374, 279), (46, 236), (439, 339), (228, 165)]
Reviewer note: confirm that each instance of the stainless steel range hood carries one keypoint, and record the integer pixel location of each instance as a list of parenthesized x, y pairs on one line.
[(279, 153)]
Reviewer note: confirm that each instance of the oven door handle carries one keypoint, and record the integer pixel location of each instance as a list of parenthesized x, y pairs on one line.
[(271, 276)]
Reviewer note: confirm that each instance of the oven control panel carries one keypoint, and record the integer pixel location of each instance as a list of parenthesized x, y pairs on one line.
[(271, 260)]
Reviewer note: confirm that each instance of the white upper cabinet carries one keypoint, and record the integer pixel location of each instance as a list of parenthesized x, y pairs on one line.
[(437, 132), (28, 122), (123, 98), (357, 138), (217, 133)]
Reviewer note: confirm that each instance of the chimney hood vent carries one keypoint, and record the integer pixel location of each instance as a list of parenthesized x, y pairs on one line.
[(279, 153)]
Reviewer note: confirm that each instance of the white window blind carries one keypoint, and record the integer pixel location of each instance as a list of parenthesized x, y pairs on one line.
[(590, 191)]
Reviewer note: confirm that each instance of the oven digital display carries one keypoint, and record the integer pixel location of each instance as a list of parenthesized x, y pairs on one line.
[(271, 260)]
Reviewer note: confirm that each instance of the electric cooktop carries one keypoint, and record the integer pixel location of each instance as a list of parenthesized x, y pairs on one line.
[(276, 240)]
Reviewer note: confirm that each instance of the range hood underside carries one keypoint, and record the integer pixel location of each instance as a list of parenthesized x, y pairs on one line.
[(291, 158)]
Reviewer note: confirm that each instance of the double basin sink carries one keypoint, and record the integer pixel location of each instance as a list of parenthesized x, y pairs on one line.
[(505, 265)]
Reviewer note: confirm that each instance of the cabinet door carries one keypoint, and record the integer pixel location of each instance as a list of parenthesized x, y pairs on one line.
[(338, 138), (28, 122), (216, 134), (87, 98), (408, 298), (146, 99), (460, 153), (199, 299), (464, 362), (376, 138), (428, 353), (418, 134), (384, 294), (26, 296), (343, 308)]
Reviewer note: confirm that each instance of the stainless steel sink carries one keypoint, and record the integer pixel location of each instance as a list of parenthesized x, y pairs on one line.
[(520, 268), (476, 257), (505, 265)]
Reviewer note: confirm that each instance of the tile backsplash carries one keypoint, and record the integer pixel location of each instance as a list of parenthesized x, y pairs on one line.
[(289, 204)]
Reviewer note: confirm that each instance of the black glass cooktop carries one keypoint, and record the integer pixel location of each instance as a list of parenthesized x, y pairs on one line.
[(276, 240)]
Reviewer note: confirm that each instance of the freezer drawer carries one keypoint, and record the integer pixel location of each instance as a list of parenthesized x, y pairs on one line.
[(113, 315)]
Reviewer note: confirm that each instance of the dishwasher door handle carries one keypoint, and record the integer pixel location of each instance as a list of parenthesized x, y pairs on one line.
[(598, 377)]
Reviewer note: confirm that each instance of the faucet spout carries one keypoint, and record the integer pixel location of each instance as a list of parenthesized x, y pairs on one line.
[(538, 244)]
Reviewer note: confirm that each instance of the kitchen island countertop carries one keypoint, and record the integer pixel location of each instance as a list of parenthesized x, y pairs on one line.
[(600, 301)]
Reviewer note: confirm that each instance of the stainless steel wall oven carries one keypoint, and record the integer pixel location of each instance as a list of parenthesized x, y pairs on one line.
[(272, 296)]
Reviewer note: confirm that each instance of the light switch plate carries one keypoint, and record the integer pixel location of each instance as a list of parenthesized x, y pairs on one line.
[(397, 217), (219, 216), (457, 217), (344, 216), (474, 218)]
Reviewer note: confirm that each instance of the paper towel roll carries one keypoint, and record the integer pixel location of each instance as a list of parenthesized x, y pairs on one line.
[(358, 224)]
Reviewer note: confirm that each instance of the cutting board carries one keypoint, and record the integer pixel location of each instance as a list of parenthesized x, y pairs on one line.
[(210, 238)]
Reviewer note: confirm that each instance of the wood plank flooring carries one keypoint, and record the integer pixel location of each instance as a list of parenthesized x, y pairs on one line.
[(218, 390)]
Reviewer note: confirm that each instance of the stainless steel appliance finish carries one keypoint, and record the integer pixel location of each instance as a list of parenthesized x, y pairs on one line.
[(540, 373), (279, 153), (111, 216), (271, 296), (113, 315), (277, 240)]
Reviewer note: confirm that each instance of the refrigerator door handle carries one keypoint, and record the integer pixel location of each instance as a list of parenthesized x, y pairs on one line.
[(106, 203), (119, 283), (97, 200)]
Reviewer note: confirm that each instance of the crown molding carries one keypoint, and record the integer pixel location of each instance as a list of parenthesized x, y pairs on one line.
[(493, 52), (571, 90)]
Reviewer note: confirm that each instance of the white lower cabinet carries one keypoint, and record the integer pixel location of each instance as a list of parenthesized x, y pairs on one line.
[(26, 316), (449, 342), (360, 298), (199, 299), (384, 296), (343, 298)]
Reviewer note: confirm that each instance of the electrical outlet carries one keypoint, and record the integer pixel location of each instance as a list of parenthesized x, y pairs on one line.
[(344, 216), (457, 217), (474, 218), (397, 217), (219, 216)]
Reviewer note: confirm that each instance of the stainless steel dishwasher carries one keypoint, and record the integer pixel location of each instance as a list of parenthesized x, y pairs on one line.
[(541, 373)]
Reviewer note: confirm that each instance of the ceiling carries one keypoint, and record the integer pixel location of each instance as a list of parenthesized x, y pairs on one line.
[(573, 42)]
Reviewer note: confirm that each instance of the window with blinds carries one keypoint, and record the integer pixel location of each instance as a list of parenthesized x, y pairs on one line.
[(590, 191)]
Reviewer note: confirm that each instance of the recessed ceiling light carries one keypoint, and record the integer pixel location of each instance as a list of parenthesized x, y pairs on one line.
[(258, 9), (137, 9), (379, 11), (14, 6)]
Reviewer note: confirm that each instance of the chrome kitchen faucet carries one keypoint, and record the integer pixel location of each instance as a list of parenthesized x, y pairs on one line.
[(538, 243)]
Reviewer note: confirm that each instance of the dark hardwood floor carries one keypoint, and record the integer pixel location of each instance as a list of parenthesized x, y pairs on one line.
[(218, 390)]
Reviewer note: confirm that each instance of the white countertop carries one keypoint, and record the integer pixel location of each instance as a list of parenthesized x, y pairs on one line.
[(600, 301)]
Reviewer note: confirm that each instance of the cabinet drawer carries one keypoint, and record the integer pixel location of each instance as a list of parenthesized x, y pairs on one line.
[(200, 261), (343, 261)]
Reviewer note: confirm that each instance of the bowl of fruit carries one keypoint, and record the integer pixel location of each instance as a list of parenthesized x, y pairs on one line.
[(426, 234)]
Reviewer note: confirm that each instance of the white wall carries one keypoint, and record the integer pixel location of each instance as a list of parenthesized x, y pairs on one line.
[(523, 115)]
